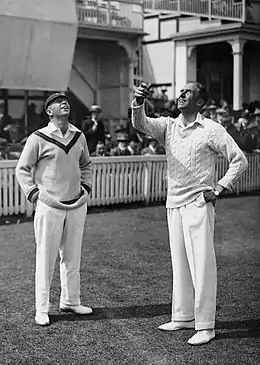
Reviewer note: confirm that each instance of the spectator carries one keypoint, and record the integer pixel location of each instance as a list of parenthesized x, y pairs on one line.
[(108, 143), (122, 144), (254, 129), (212, 112), (133, 146), (152, 147), (100, 150), (221, 115), (3, 149), (93, 128)]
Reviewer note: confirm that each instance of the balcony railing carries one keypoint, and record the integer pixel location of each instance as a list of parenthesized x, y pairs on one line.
[(225, 9), (122, 14)]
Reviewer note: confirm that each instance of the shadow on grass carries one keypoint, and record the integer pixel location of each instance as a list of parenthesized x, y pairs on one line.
[(248, 328)]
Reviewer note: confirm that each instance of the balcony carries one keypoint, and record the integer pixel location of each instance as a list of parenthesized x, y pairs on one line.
[(123, 15), (234, 10)]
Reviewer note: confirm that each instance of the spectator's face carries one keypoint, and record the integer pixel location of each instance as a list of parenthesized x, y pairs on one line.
[(100, 148), (60, 107), (188, 97), (220, 118), (108, 141), (133, 145), (96, 115), (212, 114)]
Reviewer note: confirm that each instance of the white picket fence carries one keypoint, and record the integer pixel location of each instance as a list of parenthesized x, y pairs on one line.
[(120, 180)]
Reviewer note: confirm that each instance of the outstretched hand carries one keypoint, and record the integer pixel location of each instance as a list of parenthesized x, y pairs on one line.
[(142, 92)]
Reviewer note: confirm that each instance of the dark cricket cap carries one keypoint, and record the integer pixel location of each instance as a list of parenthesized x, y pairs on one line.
[(53, 97)]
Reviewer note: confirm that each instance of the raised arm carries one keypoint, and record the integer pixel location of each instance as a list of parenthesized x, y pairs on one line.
[(221, 142), (154, 127)]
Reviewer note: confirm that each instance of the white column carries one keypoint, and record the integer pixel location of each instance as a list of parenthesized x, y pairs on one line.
[(192, 64), (237, 48), (181, 66)]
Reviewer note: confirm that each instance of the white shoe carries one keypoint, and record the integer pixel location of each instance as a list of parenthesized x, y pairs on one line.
[(202, 337), (42, 319), (77, 309), (175, 326)]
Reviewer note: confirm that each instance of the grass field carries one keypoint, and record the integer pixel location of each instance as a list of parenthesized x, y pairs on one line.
[(126, 278)]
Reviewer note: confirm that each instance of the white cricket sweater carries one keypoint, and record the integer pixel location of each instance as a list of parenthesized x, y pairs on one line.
[(192, 153), (62, 167)]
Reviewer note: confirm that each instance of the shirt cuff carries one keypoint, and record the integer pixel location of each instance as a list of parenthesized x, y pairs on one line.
[(225, 183), (86, 187)]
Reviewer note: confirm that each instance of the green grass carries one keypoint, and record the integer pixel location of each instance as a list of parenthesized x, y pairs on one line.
[(127, 278)]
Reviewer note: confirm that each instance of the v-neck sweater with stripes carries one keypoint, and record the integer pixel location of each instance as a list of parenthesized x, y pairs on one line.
[(192, 153), (57, 169)]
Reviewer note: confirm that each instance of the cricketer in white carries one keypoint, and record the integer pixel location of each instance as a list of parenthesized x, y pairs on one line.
[(59, 187), (192, 145)]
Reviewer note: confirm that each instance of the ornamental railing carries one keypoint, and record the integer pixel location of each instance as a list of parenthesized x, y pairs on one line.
[(121, 180), (121, 14), (224, 9)]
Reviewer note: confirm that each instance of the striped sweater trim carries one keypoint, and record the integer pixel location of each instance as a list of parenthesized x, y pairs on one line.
[(65, 148), (32, 193)]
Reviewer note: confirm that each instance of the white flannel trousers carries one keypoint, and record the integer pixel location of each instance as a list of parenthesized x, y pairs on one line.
[(56, 231), (191, 231)]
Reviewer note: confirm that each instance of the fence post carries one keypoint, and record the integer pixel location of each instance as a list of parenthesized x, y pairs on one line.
[(147, 181)]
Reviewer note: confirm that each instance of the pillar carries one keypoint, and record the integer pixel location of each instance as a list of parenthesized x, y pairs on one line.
[(181, 66), (237, 50), (192, 63)]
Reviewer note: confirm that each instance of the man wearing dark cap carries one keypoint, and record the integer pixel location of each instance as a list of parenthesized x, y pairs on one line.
[(93, 128), (62, 180), (122, 144)]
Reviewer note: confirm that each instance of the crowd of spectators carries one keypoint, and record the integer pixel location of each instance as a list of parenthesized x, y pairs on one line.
[(243, 126)]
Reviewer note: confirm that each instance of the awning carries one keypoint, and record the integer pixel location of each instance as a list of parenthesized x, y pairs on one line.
[(37, 42)]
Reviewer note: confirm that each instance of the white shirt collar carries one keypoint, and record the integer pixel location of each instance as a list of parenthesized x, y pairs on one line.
[(52, 127), (199, 119)]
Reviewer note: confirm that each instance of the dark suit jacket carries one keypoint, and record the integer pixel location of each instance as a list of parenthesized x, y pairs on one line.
[(91, 136)]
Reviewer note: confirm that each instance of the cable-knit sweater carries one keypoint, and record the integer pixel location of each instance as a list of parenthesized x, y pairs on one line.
[(62, 176), (192, 153)]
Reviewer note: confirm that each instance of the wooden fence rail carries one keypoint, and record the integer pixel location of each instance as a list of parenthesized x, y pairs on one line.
[(120, 180)]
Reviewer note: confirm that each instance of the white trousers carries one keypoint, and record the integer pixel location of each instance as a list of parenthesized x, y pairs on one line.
[(191, 231), (58, 231)]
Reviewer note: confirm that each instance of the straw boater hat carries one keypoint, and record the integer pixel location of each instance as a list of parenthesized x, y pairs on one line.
[(95, 108), (212, 107), (222, 111)]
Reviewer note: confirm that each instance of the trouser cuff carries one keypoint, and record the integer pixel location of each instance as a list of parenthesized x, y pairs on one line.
[(183, 317), (204, 326)]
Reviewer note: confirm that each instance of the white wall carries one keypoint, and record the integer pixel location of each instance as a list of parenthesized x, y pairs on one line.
[(161, 56), (151, 27)]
